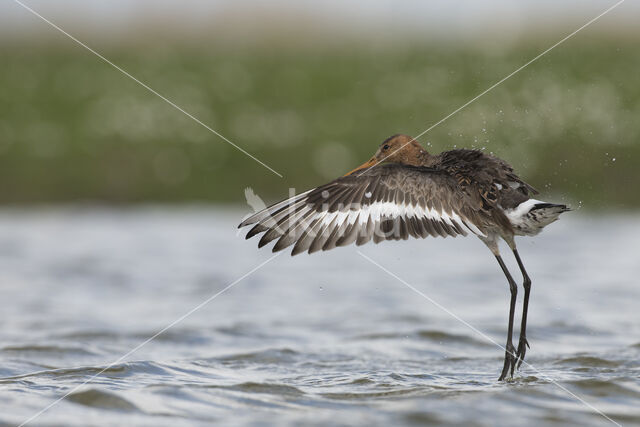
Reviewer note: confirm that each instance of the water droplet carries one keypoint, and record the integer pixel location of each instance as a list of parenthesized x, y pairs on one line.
[(367, 194), (325, 194), (321, 288), (613, 160)]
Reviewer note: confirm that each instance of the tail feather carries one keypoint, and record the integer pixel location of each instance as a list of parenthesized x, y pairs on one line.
[(544, 205), (530, 217)]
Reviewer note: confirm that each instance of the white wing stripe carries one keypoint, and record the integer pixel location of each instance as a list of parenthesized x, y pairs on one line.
[(377, 210)]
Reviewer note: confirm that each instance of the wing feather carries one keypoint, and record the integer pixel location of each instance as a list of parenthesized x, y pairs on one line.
[(322, 236), (387, 202)]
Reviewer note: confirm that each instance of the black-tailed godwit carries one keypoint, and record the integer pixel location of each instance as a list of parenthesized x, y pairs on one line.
[(404, 191)]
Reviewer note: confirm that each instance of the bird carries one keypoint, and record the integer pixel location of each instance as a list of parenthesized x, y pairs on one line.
[(404, 191)]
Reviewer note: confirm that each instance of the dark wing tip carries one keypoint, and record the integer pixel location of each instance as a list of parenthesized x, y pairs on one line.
[(246, 222), (257, 229), (278, 248), (298, 249)]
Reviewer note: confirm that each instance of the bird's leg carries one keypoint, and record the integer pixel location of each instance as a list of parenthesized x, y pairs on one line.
[(509, 355), (523, 344)]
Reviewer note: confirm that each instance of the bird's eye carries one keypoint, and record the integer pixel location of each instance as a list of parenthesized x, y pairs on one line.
[(385, 147)]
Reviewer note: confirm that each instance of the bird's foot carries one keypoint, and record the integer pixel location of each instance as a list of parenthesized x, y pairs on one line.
[(522, 349), (510, 360)]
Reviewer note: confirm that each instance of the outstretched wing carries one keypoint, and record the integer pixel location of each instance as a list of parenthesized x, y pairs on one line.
[(386, 202)]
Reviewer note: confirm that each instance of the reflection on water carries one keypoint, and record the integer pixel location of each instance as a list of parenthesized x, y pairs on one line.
[(326, 338)]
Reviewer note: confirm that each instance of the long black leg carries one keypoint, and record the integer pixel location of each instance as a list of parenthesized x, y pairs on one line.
[(509, 355), (523, 343)]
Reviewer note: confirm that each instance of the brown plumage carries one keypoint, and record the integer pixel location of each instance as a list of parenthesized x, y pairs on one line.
[(403, 191)]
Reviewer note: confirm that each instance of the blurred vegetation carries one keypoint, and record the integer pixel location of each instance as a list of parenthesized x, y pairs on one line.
[(73, 128)]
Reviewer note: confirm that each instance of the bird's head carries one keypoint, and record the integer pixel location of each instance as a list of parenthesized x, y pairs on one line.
[(396, 149)]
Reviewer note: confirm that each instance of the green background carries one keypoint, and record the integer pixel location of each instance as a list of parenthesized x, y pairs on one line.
[(74, 129)]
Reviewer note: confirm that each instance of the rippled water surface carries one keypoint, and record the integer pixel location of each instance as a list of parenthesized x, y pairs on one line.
[(322, 339)]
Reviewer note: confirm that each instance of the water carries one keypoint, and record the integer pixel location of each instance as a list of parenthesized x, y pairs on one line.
[(322, 339)]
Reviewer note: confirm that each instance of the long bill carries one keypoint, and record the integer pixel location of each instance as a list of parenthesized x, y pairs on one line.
[(371, 162)]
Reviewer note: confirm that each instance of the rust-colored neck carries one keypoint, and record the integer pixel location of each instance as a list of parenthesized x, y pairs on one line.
[(413, 154)]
